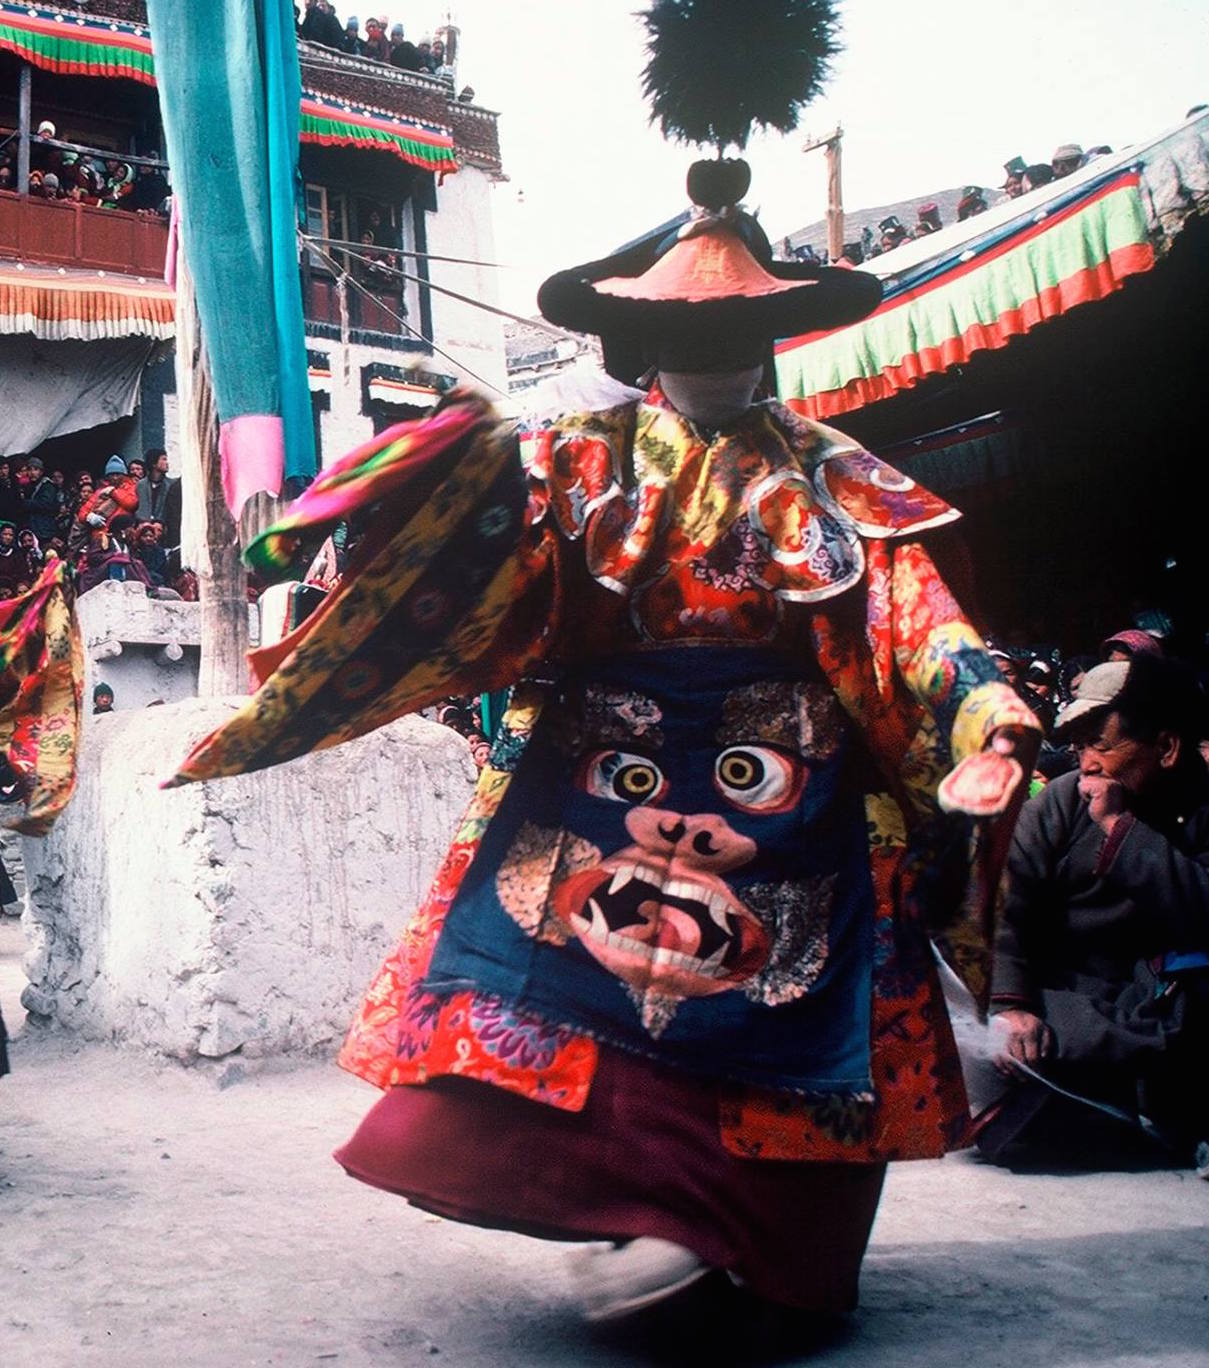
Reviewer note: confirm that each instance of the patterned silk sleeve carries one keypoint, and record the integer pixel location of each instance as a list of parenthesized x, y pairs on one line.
[(944, 662), (451, 591)]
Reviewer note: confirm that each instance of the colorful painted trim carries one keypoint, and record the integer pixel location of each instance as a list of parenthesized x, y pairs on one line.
[(84, 305), (74, 45), (331, 123), (996, 288)]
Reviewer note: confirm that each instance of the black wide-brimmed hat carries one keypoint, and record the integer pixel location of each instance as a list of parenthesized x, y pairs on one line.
[(713, 274)]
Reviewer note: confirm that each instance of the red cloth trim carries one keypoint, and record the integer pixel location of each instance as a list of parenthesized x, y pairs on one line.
[(1092, 283), (1114, 841)]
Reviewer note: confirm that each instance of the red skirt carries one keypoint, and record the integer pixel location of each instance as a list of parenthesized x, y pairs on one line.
[(644, 1157)]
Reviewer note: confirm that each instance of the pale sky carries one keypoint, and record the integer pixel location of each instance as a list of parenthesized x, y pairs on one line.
[(931, 93)]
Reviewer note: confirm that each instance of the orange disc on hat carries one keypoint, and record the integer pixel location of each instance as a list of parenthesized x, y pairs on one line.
[(711, 263)]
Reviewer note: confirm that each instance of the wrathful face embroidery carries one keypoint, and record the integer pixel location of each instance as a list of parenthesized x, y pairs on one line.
[(660, 868)]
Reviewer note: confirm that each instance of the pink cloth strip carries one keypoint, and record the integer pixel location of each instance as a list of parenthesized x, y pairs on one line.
[(252, 449)]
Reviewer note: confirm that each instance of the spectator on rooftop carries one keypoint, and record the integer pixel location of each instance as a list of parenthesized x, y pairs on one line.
[(102, 698), (351, 42), (1013, 185), (1066, 159), (972, 202), (929, 220), (404, 55), (1037, 175), (321, 25), (892, 232), (442, 69), (377, 45)]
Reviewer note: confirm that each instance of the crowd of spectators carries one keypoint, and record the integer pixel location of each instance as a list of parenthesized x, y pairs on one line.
[(61, 171), (382, 42), (1100, 984), (123, 524), (1020, 178)]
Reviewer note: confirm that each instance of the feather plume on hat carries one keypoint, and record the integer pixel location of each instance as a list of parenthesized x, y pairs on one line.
[(694, 77)]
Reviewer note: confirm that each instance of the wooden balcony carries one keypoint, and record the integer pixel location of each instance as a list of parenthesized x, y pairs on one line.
[(62, 233)]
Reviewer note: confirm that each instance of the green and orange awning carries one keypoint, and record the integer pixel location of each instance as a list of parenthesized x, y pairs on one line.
[(977, 285), (73, 44), (330, 123)]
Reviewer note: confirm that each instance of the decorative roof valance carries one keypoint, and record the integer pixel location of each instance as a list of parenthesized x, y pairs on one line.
[(975, 285), (62, 305), (331, 122), (77, 44)]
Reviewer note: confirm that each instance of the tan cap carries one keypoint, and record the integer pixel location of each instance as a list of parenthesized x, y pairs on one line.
[(1098, 688)]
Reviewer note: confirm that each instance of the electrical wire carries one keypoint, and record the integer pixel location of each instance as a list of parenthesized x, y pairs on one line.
[(370, 257), (342, 274)]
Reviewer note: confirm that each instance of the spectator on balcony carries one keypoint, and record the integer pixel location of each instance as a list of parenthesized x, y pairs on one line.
[(102, 698), (40, 154), (466, 95), (136, 468), (7, 179), (424, 48), (404, 55), (149, 190), (377, 44), (119, 183), (321, 25), (351, 42)]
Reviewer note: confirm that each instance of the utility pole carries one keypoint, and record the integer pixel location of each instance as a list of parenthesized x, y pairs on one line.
[(835, 189)]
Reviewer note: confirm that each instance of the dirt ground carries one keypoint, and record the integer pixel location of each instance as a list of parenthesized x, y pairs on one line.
[(157, 1217)]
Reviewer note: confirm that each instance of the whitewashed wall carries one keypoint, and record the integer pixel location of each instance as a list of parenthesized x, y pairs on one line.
[(243, 915)]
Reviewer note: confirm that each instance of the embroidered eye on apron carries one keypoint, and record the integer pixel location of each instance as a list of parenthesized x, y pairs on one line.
[(680, 868)]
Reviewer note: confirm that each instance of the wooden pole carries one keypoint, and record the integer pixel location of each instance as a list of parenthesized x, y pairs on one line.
[(24, 119), (835, 197), (835, 189), (213, 539)]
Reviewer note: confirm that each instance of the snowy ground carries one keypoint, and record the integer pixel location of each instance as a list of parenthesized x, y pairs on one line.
[(153, 1217)]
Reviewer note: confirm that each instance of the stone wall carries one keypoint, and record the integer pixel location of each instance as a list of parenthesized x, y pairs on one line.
[(244, 915)]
